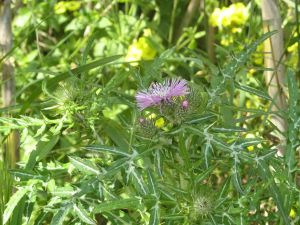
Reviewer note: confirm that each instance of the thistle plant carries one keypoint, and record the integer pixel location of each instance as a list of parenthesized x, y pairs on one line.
[(105, 141), (173, 99)]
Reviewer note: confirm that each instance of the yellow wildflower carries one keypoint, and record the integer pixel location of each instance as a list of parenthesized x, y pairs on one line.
[(152, 116), (236, 30), (216, 18), (293, 47), (140, 50), (251, 147), (252, 71), (233, 16), (73, 5), (230, 20), (134, 53), (292, 214), (240, 14), (148, 52), (62, 6), (147, 32), (226, 40), (160, 122)]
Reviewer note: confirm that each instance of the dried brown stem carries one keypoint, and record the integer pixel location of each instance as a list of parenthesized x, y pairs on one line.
[(8, 80), (274, 54), (191, 10)]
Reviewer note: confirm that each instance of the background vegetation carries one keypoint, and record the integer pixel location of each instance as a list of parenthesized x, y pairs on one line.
[(74, 150)]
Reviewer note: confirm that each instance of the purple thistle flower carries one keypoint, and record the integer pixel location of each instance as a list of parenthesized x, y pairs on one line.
[(158, 93)]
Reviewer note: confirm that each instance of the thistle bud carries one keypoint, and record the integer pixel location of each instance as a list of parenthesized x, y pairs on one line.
[(185, 104), (202, 206), (146, 127)]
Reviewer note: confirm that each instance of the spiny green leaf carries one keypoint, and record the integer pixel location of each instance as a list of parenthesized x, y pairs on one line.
[(103, 148), (200, 119), (60, 215), (211, 217), (158, 161), (137, 179), (152, 183), (25, 174), (173, 217), (228, 129), (254, 91), (44, 146), (64, 192), (229, 70), (129, 203), (200, 177), (293, 130), (115, 167), (83, 214), (36, 215), (208, 149), (13, 202), (236, 179), (274, 190), (117, 133), (84, 165), (242, 57), (155, 215)]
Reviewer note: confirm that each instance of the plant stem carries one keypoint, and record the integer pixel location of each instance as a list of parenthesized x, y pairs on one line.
[(298, 33), (274, 53)]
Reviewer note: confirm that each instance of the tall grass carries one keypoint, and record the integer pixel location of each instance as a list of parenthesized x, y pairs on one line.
[(6, 183)]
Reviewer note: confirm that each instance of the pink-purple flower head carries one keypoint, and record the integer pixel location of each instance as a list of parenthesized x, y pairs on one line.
[(159, 93)]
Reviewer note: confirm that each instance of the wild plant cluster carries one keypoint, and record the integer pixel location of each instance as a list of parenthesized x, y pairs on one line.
[(158, 135)]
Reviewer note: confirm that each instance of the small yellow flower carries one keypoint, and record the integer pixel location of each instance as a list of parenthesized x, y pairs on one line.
[(147, 33), (134, 53), (140, 50), (60, 7), (248, 104), (73, 5), (148, 52), (251, 147), (226, 16), (293, 47), (252, 71), (215, 17), (152, 116), (230, 17), (292, 214), (236, 30), (160, 122), (226, 40), (240, 13)]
